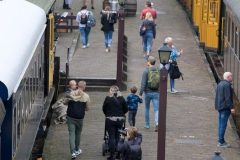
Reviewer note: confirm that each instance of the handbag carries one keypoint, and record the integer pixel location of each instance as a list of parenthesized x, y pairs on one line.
[(174, 71), (142, 30)]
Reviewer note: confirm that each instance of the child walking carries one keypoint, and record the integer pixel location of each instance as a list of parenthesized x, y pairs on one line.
[(132, 101)]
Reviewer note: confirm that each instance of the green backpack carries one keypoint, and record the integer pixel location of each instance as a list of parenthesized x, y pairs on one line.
[(153, 79)]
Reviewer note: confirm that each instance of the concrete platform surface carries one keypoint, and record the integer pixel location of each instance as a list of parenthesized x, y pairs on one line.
[(191, 132)]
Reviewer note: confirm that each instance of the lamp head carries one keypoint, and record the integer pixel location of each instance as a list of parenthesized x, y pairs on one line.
[(164, 54)]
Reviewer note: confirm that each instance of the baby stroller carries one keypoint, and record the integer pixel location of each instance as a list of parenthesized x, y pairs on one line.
[(105, 145)]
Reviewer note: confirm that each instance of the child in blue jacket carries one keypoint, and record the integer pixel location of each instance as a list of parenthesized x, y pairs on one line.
[(132, 101)]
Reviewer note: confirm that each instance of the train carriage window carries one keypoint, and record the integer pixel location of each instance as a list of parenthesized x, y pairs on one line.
[(239, 43), (232, 34), (14, 134), (18, 122), (229, 28), (36, 76), (236, 38)]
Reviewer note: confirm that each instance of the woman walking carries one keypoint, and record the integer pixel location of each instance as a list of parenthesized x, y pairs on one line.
[(108, 19), (149, 28)]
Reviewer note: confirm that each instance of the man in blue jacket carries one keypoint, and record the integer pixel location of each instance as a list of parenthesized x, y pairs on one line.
[(224, 106)]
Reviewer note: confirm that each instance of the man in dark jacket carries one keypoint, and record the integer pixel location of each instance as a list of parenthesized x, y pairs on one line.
[(224, 106), (78, 102)]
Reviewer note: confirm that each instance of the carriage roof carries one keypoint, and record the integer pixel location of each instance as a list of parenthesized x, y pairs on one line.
[(233, 5), (22, 28), (46, 5)]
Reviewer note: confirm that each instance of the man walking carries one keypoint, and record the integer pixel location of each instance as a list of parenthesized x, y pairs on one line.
[(150, 85), (224, 106), (78, 102)]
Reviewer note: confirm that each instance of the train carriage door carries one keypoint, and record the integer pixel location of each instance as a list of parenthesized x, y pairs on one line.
[(213, 24), (49, 54), (197, 13), (203, 25), (51, 50), (222, 28)]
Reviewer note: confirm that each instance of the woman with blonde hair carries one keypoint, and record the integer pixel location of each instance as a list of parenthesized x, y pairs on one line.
[(114, 108), (148, 29)]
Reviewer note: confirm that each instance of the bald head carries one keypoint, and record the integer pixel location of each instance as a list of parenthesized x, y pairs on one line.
[(72, 84), (227, 76)]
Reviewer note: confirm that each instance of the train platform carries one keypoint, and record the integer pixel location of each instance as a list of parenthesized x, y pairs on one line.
[(191, 129)]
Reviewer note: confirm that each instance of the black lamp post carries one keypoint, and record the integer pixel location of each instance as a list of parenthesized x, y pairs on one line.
[(164, 56)]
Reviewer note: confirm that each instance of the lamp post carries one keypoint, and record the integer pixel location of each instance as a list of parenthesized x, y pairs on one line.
[(164, 55)]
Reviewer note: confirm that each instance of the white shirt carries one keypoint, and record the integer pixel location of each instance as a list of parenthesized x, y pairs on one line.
[(78, 18)]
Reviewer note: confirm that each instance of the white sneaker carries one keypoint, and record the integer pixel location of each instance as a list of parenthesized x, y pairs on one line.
[(224, 145), (78, 152), (175, 90), (74, 155), (88, 45), (107, 50), (83, 47)]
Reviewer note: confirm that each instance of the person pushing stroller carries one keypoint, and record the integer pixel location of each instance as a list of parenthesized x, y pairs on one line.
[(114, 109)]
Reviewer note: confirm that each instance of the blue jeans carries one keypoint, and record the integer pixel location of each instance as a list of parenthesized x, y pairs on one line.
[(222, 124), (84, 32), (108, 38), (147, 41), (74, 129), (154, 97), (132, 117), (172, 84)]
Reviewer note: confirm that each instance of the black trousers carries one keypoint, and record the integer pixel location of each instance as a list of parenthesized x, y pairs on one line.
[(112, 128)]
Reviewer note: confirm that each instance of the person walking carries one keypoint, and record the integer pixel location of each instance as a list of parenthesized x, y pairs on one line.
[(149, 28), (148, 8), (66, 4), (82, 18), (150, 86), (92, 3), (108, 19), (114, 108), (78, 102), (132, 101), (173, 61), (224, 106), (130, 149)]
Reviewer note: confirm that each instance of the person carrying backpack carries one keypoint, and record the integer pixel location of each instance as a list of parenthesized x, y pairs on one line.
[(149, 86), (108, 19), (130, 149), (82, 18)]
